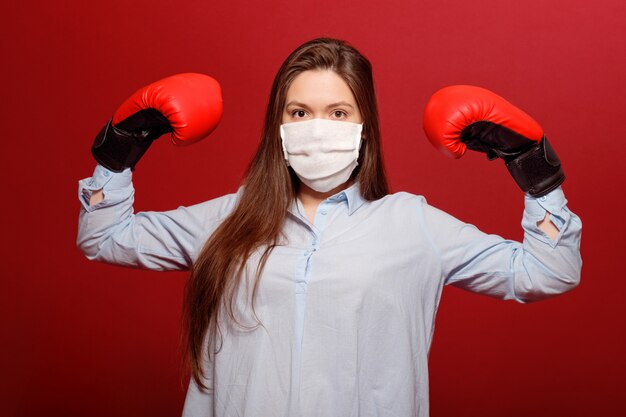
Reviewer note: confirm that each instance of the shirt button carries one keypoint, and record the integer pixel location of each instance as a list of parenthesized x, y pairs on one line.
[(106, 173), (544, 198), (324, 212)]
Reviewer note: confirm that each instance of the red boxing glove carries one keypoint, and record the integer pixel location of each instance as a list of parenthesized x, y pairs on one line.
[(463, 117), (189, 106)]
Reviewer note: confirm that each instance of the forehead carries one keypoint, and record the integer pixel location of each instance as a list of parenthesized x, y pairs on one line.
[(321, 86)]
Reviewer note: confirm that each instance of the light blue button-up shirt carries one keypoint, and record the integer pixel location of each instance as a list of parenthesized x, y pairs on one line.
[(346, 305)]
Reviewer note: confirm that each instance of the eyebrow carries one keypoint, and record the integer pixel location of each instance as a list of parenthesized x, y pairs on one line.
[(337, 104)]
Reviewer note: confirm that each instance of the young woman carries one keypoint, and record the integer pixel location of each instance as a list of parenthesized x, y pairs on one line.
[(313, 291)]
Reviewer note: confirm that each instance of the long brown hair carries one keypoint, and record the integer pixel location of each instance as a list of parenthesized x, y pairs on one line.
[(269, 188)]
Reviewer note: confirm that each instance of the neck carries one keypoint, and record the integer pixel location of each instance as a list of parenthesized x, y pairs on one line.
[(311, 199)]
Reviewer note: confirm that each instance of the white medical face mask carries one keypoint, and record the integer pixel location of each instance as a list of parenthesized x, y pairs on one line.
[(323, 153)]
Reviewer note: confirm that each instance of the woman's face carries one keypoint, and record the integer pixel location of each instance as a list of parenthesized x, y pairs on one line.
[(320, 94)]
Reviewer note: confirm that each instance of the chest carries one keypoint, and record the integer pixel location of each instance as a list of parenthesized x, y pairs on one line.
[(352, 260)]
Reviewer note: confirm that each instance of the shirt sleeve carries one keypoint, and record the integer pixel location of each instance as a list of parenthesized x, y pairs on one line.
[(534, 269), (111, 232)]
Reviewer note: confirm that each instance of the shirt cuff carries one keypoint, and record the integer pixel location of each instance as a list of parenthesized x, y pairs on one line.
[(554, 202), (102, 179)]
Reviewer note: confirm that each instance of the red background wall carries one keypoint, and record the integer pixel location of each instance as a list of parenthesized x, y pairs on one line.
[(87, 339)]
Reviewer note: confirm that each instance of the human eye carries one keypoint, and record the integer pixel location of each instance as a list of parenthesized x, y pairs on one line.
[(298, 114), (339, 115)]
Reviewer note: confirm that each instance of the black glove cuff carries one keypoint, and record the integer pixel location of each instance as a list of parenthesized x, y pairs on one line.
[(122, 146), (538, 170), (116, 149)]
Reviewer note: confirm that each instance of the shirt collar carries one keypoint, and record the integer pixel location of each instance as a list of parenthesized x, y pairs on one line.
[(351, 195)]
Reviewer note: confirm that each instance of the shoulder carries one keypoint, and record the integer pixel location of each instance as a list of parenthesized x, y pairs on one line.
[(401, 207), (218, 206), (406, 205), (210, 211), (402, 201), (405, 197)]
